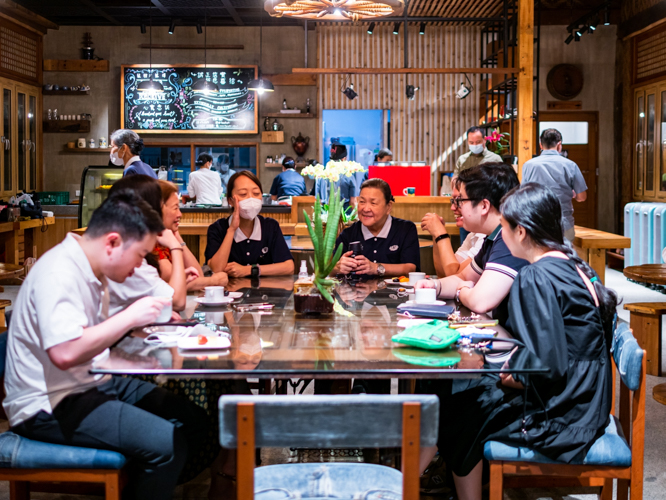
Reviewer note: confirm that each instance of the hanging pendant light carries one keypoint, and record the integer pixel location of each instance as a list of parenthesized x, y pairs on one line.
[(260, 85), (150, 85), (203, 85), (334, 10)]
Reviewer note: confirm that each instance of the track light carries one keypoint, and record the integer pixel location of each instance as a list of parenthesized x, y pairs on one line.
[(578, 32), (396, 28), (607, 16), (371, 28), (410, 92), (569, 39), (577, 36), (593, 24), (422, 29), (143, 28), (199, 30), (172, 26), (350, 93)]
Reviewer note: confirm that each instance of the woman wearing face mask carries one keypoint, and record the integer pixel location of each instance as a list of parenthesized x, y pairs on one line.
[(126, 145), (247, 244), (390, 245), (205, 185)]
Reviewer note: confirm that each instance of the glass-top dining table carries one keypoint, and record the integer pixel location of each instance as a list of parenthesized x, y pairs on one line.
[(280, 344)]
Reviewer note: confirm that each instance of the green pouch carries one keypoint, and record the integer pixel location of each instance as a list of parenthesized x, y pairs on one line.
[(432, 335), (426, 358)]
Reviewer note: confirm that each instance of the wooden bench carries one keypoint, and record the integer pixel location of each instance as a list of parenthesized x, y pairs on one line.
[(645, 321)]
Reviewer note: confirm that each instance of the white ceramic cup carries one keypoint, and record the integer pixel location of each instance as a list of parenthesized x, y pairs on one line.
[(425, 295), (214, 293), (414, 277), (165, 315)]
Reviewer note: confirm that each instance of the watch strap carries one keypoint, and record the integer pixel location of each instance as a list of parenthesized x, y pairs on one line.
[(442, 237)]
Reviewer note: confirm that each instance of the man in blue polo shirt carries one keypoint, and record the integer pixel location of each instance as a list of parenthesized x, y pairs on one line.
[(484, 285), (289, 182), (560, 174)]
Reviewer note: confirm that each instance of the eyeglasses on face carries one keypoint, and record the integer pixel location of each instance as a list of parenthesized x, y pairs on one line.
[(458, 201)]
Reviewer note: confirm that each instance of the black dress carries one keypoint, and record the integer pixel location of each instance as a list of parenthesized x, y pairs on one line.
[(553, 313)]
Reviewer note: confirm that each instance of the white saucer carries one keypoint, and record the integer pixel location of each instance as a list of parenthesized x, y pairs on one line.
[(389, 281), (214, 343), (213, 303), (436, 303)]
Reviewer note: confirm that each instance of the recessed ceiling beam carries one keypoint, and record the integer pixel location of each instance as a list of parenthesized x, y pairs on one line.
[(161, 7), (410, 71), (99, 11), (232, 12)]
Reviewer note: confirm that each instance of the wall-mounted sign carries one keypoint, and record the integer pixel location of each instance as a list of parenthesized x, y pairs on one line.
[(181, 108)]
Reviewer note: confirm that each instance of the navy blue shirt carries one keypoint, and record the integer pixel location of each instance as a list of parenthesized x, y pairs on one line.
[(270, 248), (495, 256), (288, 183), (139, 167), (399, 246)]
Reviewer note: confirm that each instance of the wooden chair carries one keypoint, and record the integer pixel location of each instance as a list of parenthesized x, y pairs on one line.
[(611, 456), (24, 461), (645, 322), (368, 421)]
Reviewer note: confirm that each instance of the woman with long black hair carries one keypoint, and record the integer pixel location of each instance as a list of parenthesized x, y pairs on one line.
[(563, 315)]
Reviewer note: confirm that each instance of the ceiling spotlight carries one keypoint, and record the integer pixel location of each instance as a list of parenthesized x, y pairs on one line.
[(199, 30), (371, 28), (172, 26), (143, 28), (422, 29), (349, 92), (593, 24), (396, 28), (577, 36), (569, 39), (410, 92), (578, 32), (607, 16)]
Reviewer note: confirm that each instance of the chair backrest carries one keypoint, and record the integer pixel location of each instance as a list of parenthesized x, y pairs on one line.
[(628, 356), (298, 203), (367, 421)]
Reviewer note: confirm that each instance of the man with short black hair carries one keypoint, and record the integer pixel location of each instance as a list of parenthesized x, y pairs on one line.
[(558, 173), (60, 331), (477, 154), (484, 285), (384, 155), (289, 182)]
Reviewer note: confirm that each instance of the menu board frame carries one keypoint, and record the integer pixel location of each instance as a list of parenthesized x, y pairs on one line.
[(255, 130)]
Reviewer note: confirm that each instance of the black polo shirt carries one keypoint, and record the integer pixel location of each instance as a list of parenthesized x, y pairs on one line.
[(269, 247), (495, 256), (399, 246)]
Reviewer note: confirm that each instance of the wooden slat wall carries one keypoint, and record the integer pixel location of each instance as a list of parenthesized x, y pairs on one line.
[(429, 128)]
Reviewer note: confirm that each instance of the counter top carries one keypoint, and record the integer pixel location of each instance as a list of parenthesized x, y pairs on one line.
[(62, 210)]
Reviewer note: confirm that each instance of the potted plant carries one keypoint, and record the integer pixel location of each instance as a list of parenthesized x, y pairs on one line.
[(318, 298), (498, 142)]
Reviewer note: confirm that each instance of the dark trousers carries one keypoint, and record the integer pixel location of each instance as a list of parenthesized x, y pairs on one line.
[(156, 430)]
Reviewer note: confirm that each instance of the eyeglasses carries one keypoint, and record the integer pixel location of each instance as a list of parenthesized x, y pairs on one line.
[(459, 201)]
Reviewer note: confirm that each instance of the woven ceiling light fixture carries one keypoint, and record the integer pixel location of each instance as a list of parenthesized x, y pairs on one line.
[(334, 10)]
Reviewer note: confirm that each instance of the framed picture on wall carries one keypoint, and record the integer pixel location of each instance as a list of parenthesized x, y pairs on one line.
[(188, 99)]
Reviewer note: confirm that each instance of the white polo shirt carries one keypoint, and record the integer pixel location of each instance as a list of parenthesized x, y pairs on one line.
[(144, 282), (206, 185), (60, 297)]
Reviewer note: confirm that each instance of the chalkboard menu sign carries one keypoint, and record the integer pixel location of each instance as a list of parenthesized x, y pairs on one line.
[(181, 108)]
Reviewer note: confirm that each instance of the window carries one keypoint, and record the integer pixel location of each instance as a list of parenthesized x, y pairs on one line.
[(572, 132)]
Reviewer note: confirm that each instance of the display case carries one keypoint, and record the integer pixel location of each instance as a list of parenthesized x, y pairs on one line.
[(95, 184)]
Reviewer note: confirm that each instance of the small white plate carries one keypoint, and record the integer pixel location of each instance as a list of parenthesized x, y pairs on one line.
[(236, 295), (213, 303), (390, 281), (436, 303), (192, 343)]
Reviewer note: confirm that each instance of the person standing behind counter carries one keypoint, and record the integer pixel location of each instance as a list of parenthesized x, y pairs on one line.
[(289, 182), (390, 245), (347, 185), (204, 184), (247, 244), (126, 145)]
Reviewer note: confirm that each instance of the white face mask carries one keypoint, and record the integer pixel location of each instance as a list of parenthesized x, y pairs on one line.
[(476, 148), (250, 208), (115, 159)]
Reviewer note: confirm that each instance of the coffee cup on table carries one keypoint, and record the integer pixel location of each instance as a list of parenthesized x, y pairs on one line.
[(425, 295), (409, 191), (165, 315), (414, 277), (214, 293)]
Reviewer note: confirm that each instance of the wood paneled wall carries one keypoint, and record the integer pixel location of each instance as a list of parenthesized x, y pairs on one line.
[(431, 127)]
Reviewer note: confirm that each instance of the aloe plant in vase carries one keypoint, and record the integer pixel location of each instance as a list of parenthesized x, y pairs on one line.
[(319, 297)]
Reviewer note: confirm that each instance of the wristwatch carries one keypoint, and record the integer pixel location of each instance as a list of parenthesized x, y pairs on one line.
[(255, 270), (442, 237), (381, 270)]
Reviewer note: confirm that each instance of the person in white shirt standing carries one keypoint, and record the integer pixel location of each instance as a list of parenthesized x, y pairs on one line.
[(60, 331), (205, 184)]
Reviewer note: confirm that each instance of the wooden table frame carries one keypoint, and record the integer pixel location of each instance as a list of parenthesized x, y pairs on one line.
[(592, 244), (10, 233)]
